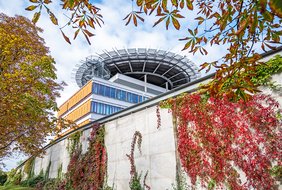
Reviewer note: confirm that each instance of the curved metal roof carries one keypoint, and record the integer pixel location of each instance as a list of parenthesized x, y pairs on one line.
[(160, 66)]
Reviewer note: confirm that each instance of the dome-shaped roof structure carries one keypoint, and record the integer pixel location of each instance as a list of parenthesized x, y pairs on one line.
[(159, 66)]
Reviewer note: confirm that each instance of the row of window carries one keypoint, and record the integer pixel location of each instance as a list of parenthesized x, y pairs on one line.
[(117, 93), (104, 109)]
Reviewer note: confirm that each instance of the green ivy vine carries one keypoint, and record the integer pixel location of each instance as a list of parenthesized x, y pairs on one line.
[(74, 142), (46, 175), (265, 71), (29, 167)]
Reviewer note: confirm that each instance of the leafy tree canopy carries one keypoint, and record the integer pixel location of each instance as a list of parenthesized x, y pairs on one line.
[(27, 87), (238, 24)]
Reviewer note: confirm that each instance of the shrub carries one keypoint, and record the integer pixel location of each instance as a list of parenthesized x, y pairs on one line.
[(3, 177), (14, 177), (31, 182)]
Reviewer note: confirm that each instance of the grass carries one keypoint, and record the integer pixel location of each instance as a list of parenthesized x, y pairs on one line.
[(15, 187)]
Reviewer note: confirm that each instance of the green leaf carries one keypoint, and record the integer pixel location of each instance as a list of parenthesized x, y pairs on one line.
[(71, 2)]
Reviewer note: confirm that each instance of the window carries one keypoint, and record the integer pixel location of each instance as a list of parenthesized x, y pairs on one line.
[(101, 89), (135, 98), (129, 97), (140, 98), (107, 91), (95, 88), (117, 93), (123, 95), (113, 93), (104, 109)]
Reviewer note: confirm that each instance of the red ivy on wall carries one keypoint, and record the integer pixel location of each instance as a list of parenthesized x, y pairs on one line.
[(219, 140), (87, 171)]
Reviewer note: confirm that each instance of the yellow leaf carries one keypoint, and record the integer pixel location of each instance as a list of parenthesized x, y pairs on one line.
[(36, 17), (31, 8), (53, 18)]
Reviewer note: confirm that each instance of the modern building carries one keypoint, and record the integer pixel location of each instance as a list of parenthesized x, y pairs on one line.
[(118, 79)]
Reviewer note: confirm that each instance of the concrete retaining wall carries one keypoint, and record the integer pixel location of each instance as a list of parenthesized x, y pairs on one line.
[(158, 150)]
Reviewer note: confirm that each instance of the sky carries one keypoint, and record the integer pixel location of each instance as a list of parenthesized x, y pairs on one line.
[(113, 34)]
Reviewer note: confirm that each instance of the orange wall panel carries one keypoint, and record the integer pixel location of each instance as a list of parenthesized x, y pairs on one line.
[(77, 97), (79, 112)]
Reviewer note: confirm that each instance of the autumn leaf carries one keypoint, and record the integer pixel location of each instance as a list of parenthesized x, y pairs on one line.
[(175, 23), (88, 33), (189, 4), (170, 16), (276, 7), (65, 37), (76, 33), (134, 15), (53, 18), (31, 8), (86, 36), (36, 17)]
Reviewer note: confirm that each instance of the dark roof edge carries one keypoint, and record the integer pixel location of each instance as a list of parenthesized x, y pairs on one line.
[(268, 53)]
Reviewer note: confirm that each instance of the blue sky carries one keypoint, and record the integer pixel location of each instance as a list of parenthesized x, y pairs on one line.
[(113, 34)]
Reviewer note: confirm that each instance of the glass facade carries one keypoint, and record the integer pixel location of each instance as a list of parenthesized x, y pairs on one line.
[(104, 109), (117, 93)]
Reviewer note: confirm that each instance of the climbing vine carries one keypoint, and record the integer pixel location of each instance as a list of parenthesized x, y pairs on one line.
[(47, 172), (28, 167), (135, 179), (158, 117), (218, 137), (264, 72), (60, 174), (74, 142), (87, 171)]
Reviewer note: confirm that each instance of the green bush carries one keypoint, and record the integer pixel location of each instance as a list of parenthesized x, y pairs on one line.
[(135, 182), (51, 184), (14, 177), (3, 177), (15, 187), (31, 182)]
